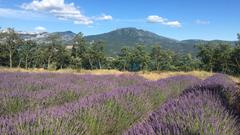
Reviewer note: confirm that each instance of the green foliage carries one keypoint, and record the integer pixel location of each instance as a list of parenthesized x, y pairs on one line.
[(11, 41), (26, 52), (235, 59), (62, 97), (13, 105), (219, 58), (133, 59), (62, 57), (3, 56), (123, 59), (156, 56), (110, 113), (185, 62)]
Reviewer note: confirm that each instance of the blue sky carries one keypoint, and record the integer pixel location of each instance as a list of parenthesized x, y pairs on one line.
[(179, 19)]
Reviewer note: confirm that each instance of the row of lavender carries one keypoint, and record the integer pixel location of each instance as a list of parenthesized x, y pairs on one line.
[(106, 104), (111, 104), (41, 90), (209, 108)]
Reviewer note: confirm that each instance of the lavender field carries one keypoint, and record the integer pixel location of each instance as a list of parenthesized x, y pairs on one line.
[(71, 104)]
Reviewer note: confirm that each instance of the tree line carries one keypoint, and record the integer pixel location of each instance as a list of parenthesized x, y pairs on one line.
[(52, 54)]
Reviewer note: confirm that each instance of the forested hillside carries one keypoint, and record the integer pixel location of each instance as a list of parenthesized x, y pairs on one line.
[(52, 53)]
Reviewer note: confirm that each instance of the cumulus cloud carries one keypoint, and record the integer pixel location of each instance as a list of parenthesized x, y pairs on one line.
[(45, 5), (62, 10), (202, 22), (164, 21), (40, 29)]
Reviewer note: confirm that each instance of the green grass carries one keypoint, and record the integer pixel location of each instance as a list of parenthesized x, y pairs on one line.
[(12, 105), (61, 98)]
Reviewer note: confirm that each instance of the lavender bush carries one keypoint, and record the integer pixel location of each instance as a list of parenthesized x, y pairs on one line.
[(54, 104), (81, 104), (220, 85), (207, 108)]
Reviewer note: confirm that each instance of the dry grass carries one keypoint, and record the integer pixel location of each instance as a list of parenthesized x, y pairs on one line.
[(95, 72), (161, 75), (147, 75), (236, 79), (4, 69), (68, 70)]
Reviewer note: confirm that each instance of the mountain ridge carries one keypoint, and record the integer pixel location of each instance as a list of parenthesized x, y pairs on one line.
[(128, 37)]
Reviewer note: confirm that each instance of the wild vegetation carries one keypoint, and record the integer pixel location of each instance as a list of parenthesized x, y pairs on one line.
[(52, 54)]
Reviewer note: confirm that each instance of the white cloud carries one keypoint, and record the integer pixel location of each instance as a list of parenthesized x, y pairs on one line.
[(173, 24), (62, 10), (202, 22), (87, 22), (104, 17), (44, 5), (19, 14), (164, 21), (40, 29), (155, 19)]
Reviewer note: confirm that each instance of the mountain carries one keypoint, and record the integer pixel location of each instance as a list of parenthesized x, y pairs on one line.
[(66, 37), (33, 36), (127, 37), (189, 45)]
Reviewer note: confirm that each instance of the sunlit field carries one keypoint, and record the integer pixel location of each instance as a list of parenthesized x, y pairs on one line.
[(127, 67), (114, 102)]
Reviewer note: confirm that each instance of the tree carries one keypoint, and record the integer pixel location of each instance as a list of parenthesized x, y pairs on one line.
[(4, 57), (40, 56), (140, 58), (52, 41), (216, 57), (79, 45), (63, 57), (166, 60), (11, 41), (235, 58), (98, 53), (222, 55), (110, 63), (79, 51), (185, 62), (26, 51), (206, 54), (156, 56), (123, 59)]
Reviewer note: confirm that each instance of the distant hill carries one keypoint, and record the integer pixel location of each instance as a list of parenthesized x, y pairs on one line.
[(66, 36), (127, 37), (131, 36)]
